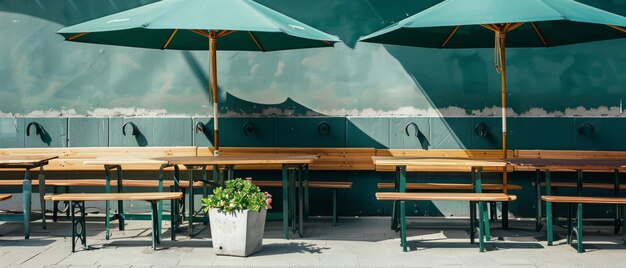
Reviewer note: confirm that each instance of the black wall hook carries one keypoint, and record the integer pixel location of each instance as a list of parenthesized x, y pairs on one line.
[(417, 129), (200, 127), (135, 131), (249, 128), (38, 128), (323, 128), (481, 130), (586, 129)]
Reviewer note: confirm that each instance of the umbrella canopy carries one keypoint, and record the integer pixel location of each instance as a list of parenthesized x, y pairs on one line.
[(239, 25), (516, 23)]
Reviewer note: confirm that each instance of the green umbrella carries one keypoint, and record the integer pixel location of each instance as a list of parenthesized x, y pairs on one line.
[(239, 25), (516, 23)]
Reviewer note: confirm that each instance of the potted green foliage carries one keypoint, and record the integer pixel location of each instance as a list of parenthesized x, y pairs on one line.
[(237, 216)]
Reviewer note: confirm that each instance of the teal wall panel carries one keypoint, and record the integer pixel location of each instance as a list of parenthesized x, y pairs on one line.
[(142, 139), (12, 132), (608, 134), (451, 132), (172, 132), (493, 138), (304, 132), (541, 133), (88, 132), (53, 134), (398, 138), (372, 132)]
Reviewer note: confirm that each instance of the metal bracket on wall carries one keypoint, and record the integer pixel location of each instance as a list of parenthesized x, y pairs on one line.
[(38, 128), (135, 131), (249, 129), (323, 128), (200, 127), (417, 129), (481, 130), (586, 129)]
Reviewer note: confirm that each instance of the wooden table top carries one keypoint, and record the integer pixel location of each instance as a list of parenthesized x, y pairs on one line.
[(436, 162), (121, 161), (568, 164), (241, 160), (23, 160)]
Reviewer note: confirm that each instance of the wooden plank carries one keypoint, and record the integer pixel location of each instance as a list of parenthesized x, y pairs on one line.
[(98, 183), (94, 152), (570, 154), (4, 197), (311, 184), (122, 161), (567, 164), (604, 186), (449, 186), (490, 197), (437, 162), (583, 199), (452, 153), (241, 160), (23, 160), (116, 196)]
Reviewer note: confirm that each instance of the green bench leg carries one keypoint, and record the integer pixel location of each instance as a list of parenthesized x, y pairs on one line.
[(616, 189), (549, 230), (403, 226), (477, 179), (538, 225), (624, 224), (579, 229), (306, 193), (42, 192), (472, 221), (79, 230), (334, 207), (155, 224), (107, 206), (481, 224), (173, 220), (120, 203), (285, 202)]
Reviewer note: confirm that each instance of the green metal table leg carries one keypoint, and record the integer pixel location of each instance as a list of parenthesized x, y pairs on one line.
[(292, 200), (107, 206), (616, 188), (42, 192), (538, 224), (155, 225), (483, 207), (549, 212), (205, 193), (191, 201), (395, 208), (569, 223), (120, 203), (624, 224), (285, 202), (172, 220), (177, 203), (472, 221), (579, 229), (160, 189), (300, 203), (306, 193), (335, 207), (403, 226), (26, 199)]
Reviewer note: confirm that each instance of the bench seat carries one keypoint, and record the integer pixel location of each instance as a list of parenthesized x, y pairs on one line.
[(98, 182), (4, 197), (449, 186), (579, 201), (77, 201), (471, 197), (603, 186)]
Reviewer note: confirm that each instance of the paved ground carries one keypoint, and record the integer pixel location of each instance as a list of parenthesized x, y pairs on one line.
[(362, 242)]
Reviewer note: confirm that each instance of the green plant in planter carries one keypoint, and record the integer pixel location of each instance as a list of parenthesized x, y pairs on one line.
[(238, 194)]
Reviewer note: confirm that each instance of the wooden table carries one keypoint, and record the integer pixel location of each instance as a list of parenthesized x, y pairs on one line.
[(572, 165), (28, 162), (293, 166), (116, 163), (437, 164)]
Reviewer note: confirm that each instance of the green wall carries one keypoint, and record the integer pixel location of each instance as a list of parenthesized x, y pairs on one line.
[(82, 94)]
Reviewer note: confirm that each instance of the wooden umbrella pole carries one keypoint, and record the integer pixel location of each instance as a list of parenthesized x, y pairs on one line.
[(502, 36), (213, 69)]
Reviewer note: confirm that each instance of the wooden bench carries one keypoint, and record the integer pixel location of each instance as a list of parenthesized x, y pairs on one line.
[(77, 201), (334, 185), (579, 200), (5, 197), (470, 197)]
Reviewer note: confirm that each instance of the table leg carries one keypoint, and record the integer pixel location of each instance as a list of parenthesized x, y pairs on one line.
[(549, 211), (120, 203), (107, 206), (306, 192), (42, 193), (403, 225), (177, 202), (26, 199), (472, 221), (396, 204), (505, 205), (300, 203), (160, 206), (205, 193), (292, 199), (483, 207), (285, 202), (538, 225), (191, 201), (616, 188)]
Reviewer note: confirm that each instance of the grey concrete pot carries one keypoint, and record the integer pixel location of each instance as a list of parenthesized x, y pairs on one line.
[(237, 233)]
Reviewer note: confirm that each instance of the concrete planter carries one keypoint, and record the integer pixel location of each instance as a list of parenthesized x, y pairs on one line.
[(237, 233)]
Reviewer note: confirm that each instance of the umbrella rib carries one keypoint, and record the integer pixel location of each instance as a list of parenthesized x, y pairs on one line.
[(167, 43), (491, 27), (543, 40), (513, 26), (621, 29), (225, 33), (445, 42), (199, 32), (77, 35), (258, 44)]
